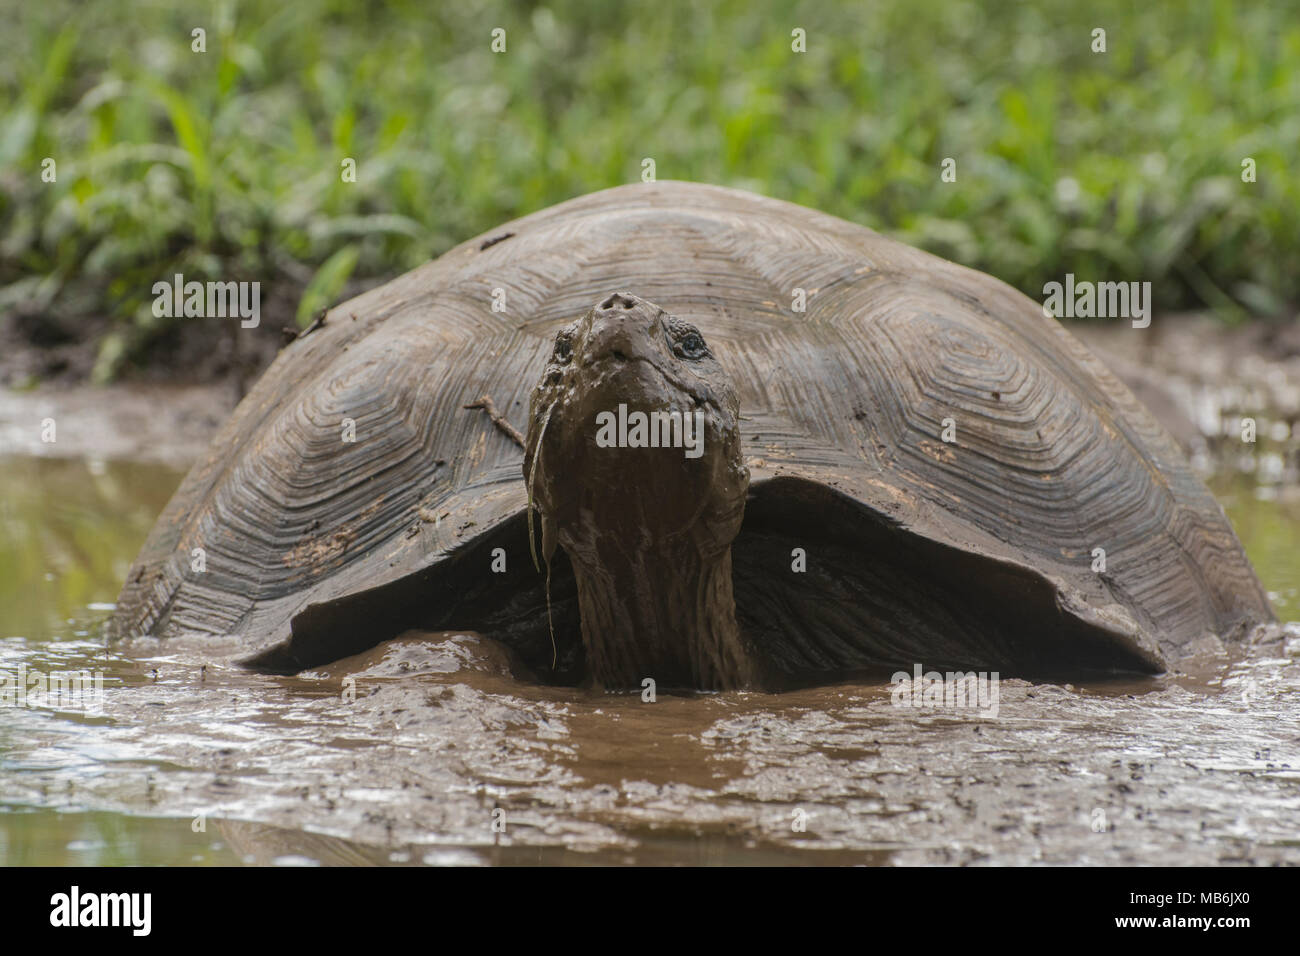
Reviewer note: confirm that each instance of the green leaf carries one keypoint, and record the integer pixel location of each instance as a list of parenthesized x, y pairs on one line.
[(327, 283)]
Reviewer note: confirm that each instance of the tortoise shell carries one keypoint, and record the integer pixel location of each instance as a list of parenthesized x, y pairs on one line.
[(934, 419)]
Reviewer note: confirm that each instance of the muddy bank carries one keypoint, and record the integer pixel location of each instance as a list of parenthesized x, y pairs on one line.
[(168, 424), (1200, 378), (40, 346)]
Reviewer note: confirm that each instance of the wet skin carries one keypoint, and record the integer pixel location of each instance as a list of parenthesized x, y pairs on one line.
[(648, 530)]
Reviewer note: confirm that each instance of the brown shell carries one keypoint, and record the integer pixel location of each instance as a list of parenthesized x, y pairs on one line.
[(1053, 456)]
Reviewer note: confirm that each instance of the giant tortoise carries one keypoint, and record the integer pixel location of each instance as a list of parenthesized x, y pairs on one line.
[(765, 446)]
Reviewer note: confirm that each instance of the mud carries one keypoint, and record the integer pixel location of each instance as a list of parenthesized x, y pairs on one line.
[(1200, 378), (408, 754), (165, 424)]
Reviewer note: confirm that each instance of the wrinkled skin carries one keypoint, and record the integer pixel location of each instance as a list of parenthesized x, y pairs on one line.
[(648, 530)]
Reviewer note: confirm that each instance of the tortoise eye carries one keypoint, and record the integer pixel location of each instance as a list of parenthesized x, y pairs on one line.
[(691, 345), (563, 348)]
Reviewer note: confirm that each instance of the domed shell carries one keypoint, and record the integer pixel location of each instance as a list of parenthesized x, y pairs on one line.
[(940, 398)]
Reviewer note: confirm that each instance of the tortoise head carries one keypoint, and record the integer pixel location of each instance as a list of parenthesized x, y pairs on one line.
[(634, 461)]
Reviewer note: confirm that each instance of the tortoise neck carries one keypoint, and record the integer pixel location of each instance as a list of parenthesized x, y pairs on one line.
[(667, 614)]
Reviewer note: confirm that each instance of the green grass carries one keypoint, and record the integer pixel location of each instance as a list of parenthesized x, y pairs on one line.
[(226, 164)]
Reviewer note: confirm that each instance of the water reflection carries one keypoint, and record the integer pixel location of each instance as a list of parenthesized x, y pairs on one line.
[(69, 530)]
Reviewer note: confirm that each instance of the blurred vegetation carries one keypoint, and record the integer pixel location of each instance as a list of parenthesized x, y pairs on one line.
[(226, 164)]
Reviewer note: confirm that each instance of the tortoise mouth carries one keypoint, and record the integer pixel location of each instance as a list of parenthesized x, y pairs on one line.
[(639, 382)]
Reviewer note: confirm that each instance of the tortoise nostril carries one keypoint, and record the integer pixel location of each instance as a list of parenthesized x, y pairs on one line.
[(617, 300)]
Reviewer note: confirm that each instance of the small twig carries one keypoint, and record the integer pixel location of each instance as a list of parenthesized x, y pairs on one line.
[(288, 335), (498, 419), (317, 321)]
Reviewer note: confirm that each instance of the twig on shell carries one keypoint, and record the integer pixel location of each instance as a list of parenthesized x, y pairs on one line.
[(498, 419)]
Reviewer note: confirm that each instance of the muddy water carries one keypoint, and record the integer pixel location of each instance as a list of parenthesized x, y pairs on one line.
[(409, 754)]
